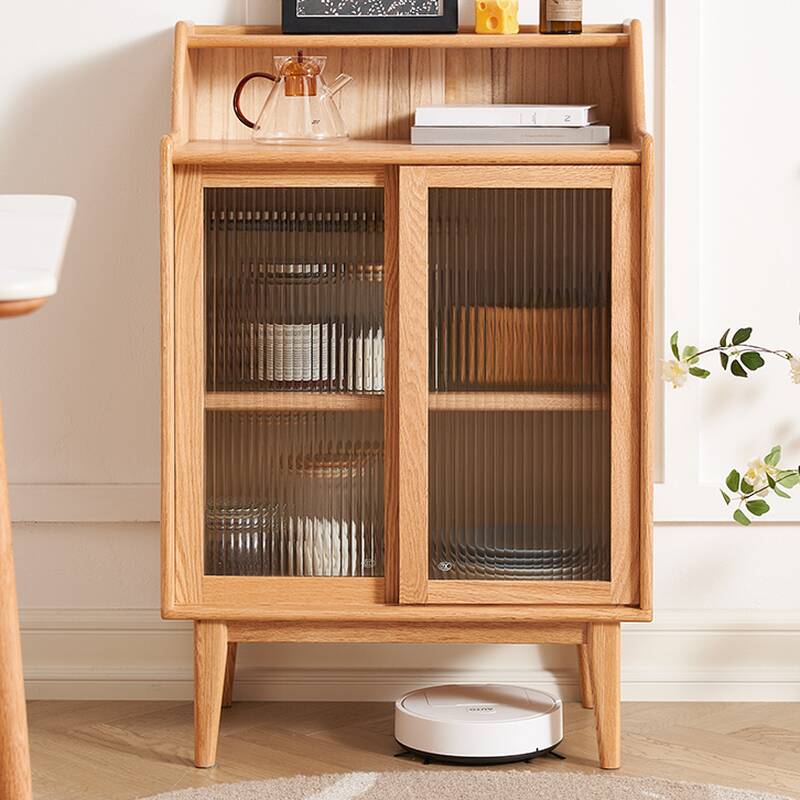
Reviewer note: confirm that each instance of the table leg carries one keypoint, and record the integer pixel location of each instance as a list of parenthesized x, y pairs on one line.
[(15, 763)]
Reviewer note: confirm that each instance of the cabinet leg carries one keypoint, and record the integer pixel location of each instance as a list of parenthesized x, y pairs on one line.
[(587, 694), (210, 656), (605, 678), (230, 676)]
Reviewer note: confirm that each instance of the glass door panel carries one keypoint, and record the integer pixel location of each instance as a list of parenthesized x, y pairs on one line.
[(519, 289), (294, 494), (294, 375), (518, 495), (519, 370), (294, 288)]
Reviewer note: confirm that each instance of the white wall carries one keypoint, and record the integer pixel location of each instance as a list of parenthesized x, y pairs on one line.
[(79, 380)]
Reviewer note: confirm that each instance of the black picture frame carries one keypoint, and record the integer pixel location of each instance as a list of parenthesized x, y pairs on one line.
[(446, 22)]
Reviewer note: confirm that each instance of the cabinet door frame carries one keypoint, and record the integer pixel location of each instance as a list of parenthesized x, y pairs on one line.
[(415, 587), (186, 589)]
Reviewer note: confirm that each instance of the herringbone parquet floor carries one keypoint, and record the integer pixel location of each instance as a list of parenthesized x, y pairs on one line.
[(100, 750)]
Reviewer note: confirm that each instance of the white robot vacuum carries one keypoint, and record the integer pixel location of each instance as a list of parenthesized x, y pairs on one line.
[(478, 724)]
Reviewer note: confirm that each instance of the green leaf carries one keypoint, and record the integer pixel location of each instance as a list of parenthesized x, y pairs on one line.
[(740, 517), (738, 370), (726, 497), (698, 372), (758, 507), (723, 342), (790, 481), (732, 481), (746, 487), (742, 335), (771, 481), (690, 354), (673, 343), (752, 360), (723, 357), (773, 457), (781, 493)]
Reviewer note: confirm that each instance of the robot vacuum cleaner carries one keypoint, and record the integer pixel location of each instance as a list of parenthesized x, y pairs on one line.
[(478, 724)]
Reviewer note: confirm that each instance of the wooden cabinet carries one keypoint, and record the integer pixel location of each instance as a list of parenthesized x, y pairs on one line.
[(406, 389)]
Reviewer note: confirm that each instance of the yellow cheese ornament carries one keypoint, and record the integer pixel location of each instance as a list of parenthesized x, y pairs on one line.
[(496, 16)]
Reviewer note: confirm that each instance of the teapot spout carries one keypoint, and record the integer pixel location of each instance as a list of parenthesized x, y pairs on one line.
[(338, 83)]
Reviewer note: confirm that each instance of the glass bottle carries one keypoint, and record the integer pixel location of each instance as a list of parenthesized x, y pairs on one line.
[(560, 16)]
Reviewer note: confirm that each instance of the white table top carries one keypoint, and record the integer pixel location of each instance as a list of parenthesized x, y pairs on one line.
[(33, 236)]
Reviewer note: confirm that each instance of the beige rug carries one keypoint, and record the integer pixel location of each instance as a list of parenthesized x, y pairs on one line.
[(464, 784)]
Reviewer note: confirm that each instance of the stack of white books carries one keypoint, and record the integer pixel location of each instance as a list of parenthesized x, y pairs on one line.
[(509, 125)]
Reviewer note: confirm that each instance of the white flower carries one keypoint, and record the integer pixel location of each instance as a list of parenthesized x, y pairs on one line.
[(756, 475), (674, 372), (794, 363)]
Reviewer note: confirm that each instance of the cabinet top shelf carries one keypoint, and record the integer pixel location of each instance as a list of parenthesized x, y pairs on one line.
[(603, 66), (233, 154), (204, 36)]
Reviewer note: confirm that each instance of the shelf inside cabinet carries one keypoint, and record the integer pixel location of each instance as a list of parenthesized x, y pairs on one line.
[(518, 401), (292, 401), (437, 401), (236, 154)]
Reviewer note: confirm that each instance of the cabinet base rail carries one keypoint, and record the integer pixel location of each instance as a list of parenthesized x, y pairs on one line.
[(597, 646)]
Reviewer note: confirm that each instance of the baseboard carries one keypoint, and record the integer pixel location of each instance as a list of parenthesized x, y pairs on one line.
[(689, 655)]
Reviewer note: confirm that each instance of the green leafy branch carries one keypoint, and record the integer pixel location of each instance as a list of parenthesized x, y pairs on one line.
[(735, 353), (762, 477), (741, 356)]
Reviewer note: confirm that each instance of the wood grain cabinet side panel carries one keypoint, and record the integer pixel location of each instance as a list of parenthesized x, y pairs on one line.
[(647, 356), (167, 191), (189, 385)]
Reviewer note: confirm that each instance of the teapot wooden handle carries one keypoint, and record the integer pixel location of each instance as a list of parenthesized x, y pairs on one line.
[(237, 94)]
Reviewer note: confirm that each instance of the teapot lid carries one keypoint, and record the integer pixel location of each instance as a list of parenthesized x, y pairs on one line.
[(301, 66), (300, 73)]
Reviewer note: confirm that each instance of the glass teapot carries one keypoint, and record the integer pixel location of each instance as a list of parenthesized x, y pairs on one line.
[(299, 108)]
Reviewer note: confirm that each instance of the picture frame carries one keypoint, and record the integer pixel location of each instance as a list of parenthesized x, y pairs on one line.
[(364, 16)]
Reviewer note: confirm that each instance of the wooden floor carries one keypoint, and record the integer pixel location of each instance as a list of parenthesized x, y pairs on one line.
[(115, 750)]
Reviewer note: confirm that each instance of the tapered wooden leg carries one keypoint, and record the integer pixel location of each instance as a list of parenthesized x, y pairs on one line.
[(587, 695), (604, 664), (230, 676), (15, 764), (210, 655)]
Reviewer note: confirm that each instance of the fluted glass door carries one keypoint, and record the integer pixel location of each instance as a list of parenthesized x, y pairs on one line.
[(294, 367), (519, 294), (530, 298)]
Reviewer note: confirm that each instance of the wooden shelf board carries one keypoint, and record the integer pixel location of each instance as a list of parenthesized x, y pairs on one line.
[(233, 154), (292, 401), (437, 401), (204, 36), (517, 401)]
